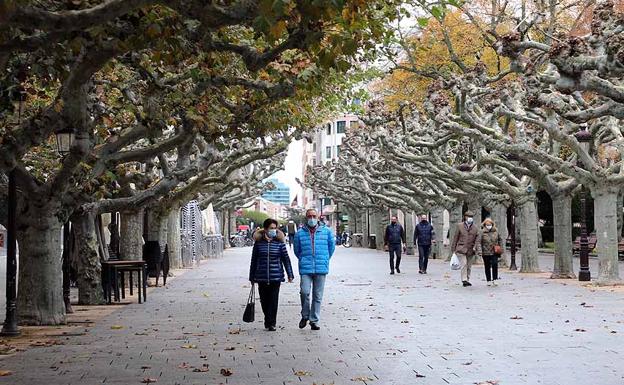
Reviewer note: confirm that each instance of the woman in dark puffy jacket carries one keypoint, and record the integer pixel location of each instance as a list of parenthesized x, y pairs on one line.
[(268, 260)]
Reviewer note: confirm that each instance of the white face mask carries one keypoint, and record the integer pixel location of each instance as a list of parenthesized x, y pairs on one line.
[(469, 220), (489, 227)]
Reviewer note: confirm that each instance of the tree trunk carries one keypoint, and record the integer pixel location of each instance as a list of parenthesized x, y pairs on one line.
[(40, 284), (499, 216), (476, 208), (456, 216), (131, 242), (528, 234), (437, 221), (365, 227), (173, 239), (562, 216), (409, 233), (89, 266), (381, 221), (620, 212), (605, 219)]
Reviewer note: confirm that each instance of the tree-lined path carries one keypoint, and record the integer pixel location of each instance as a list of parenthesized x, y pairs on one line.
[(376, 328)]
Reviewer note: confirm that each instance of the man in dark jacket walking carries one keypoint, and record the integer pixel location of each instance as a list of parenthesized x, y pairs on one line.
[(393, 240), (424, 236)]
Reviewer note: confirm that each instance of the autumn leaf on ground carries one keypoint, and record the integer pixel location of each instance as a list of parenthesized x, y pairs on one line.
[(206, 295), (4, 373), (362, 379), (405, 321), (184, 365), (488, 382), (230, 348), (117, 327), (302, 373), (144, 367), (189, 346), (580, 330), (467, 363), (226, 372), (516, 317), (204, 368), (147, 380), (418, 375)]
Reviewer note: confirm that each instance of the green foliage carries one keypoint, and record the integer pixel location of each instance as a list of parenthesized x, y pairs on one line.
[(255, 216)]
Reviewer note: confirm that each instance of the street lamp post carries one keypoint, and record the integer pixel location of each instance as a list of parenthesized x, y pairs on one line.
[(64, 141), (512, 211), (584, 138), (9, 328), (338, 223)]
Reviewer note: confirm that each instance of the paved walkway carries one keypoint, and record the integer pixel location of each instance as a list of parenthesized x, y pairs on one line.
[(376, 329)]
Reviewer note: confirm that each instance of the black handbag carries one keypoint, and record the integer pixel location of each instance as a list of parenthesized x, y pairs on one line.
[(250, 310)]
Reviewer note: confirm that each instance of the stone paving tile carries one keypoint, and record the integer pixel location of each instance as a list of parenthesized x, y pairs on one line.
[(376, 329)]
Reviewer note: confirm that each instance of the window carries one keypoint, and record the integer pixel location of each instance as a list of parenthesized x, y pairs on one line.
[(340, 126), (328, 128), (314, 147), (337, 151), (328, 152)]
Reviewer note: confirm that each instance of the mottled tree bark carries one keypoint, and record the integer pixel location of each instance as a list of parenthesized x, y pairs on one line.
[(173, 239), (528, 234), (562, 214), (89, 266), (131, 235), (410, 222), (456, 216), (40, 283), (605, 219), (499, 216), (437, 221)]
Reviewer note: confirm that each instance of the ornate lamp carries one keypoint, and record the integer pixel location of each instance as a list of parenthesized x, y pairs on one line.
[(584, 138), (64, 141)]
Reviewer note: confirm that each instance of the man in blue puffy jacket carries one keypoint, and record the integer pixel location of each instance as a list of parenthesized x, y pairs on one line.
[(314, 247)]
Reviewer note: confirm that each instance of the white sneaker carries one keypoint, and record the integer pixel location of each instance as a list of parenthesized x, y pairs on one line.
[(489, 283), (494, 283)]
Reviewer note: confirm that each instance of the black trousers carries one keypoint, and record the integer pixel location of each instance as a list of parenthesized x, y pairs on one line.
[(423, 256), (491, 266), (269, 298), (394, 248)]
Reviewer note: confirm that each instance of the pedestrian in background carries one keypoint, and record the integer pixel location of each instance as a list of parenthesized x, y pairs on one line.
[(268, 260), (465, 243), (314, 247), (424, 236), (491, 249), (394, 238), (292, 229)]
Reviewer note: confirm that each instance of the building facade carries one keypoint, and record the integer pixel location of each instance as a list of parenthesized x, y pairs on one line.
[(272, 209), (280, 194), (324, 148)]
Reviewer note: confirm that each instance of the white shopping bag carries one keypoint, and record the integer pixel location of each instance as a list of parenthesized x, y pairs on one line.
[(455, 263)]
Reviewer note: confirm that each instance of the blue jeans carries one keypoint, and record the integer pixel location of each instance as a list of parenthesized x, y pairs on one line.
[(423, 256), (314, 283)]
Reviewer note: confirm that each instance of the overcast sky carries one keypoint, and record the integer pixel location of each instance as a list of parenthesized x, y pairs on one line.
[(293, 169)]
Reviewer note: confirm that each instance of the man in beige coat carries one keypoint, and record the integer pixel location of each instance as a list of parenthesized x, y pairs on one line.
[(465, 243)]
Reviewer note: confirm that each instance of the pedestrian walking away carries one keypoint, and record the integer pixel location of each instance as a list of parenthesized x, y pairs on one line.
[(465, 243), (424, 237), (314, 246), (491, 250), (394, 241), (269, 258), (292, 230)]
